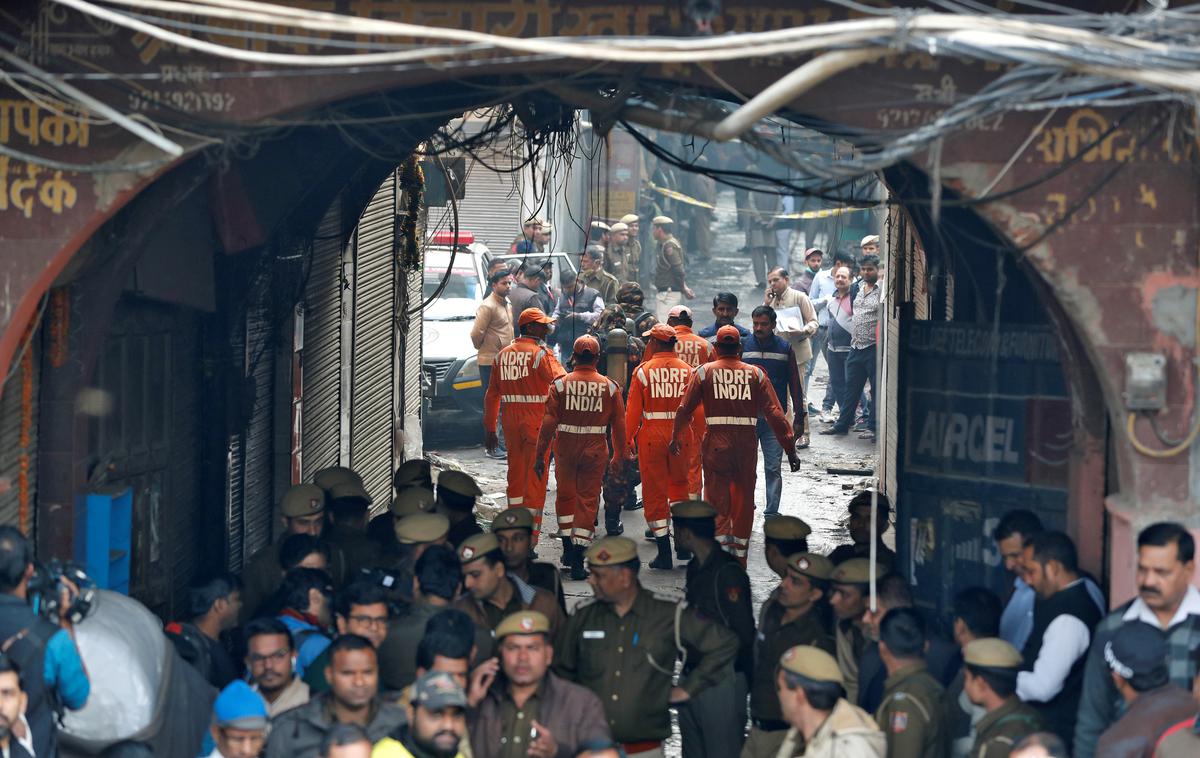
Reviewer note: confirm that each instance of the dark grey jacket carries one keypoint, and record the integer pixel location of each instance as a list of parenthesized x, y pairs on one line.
[(298, 733), (1100, 704)]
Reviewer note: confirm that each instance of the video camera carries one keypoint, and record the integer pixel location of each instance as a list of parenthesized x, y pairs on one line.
[(45, 589)]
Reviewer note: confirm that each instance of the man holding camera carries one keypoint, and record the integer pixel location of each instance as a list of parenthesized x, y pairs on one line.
[(53, 673)]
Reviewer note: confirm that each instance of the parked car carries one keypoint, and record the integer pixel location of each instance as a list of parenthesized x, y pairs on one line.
[(451, 383)]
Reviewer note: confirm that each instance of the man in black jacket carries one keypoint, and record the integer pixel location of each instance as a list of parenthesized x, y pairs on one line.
[(1063, 620)]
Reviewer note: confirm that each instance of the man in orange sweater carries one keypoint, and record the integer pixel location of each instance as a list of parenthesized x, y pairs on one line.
[(521, 377), (655, 392), (583, 410)]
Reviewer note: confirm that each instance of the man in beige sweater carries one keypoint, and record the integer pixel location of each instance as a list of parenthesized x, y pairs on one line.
[(493, 328), (780, 294)]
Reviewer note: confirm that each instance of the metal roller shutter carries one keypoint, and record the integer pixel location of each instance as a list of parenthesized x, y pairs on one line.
[(258, 452), (409, 373), (321, 358), (18, 438), (491, 208), (371, 372)]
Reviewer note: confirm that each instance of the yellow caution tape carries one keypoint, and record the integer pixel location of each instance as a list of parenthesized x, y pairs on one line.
[(679, 196), (823, 213)]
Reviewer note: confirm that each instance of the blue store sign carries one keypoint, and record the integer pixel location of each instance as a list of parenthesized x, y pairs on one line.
[(986, 427)]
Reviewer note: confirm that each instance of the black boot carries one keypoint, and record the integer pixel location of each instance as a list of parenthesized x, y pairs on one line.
[(578, 572), (663, 560), (565, 560), (612, 521), (681, 554)]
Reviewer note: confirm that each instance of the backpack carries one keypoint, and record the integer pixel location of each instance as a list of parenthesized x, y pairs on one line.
[(192, 646)]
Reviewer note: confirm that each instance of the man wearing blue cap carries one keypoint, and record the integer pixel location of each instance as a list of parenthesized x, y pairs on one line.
[(239, 722)]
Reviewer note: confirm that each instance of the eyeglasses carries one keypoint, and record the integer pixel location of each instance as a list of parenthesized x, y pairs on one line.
[(277, 656), (370, 620)]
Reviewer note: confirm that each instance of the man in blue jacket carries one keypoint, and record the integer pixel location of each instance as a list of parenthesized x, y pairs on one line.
[(52, 673), (774, 354)]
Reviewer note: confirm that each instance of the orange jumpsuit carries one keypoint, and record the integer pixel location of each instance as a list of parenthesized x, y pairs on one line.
[(655, 392), (733, 394), (695, 351), (581, 410), (521, 377)]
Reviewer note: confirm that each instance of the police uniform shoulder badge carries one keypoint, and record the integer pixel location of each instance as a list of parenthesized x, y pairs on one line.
[(899, 722)]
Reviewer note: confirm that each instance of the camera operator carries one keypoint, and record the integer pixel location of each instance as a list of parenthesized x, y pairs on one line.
[(52, 671)]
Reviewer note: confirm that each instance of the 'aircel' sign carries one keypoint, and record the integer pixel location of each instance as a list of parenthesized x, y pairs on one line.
[(986, 404)]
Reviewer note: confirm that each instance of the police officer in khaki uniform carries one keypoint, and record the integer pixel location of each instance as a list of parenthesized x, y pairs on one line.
[(593, 275), (633, 245), (456, 493), (415, 472), (303, 512), (809, 684), (490, 594), (623, 646), (411, 501), (793, 615), (848, 598), (514, 529), (910, 714), (784, 536), (712, 723), (670, 280), (413, 534), (529, 711), (349, 506), (990, 667)]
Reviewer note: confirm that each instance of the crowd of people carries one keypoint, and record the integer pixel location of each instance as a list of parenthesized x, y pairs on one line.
[(445, 645), (421, 632)]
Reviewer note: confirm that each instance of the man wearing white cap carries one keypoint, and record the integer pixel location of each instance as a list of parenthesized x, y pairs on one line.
[(529, 233), (615, 260), (870, 244), (598, 234), (669, 277)]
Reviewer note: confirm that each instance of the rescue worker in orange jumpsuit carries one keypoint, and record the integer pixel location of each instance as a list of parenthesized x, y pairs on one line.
[(733, 394), (521, 377), (583, 410), (655, 392), (695, 351)]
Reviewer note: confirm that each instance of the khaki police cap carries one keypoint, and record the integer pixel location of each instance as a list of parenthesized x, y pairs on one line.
[(663, 220), (328, 478), (421, 528), (476, 546), (302, 500), (786, 528), (812, 663), (855, 571), (411, 501), (992, 652), (523, 622), (348, 489), (693, 509), (620, 226), (413, 471), (629, 218), (513, 518), (611, 551), (811, 564), (459, 483)]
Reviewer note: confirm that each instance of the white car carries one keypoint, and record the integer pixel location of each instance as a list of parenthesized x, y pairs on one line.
[(451, 371)]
